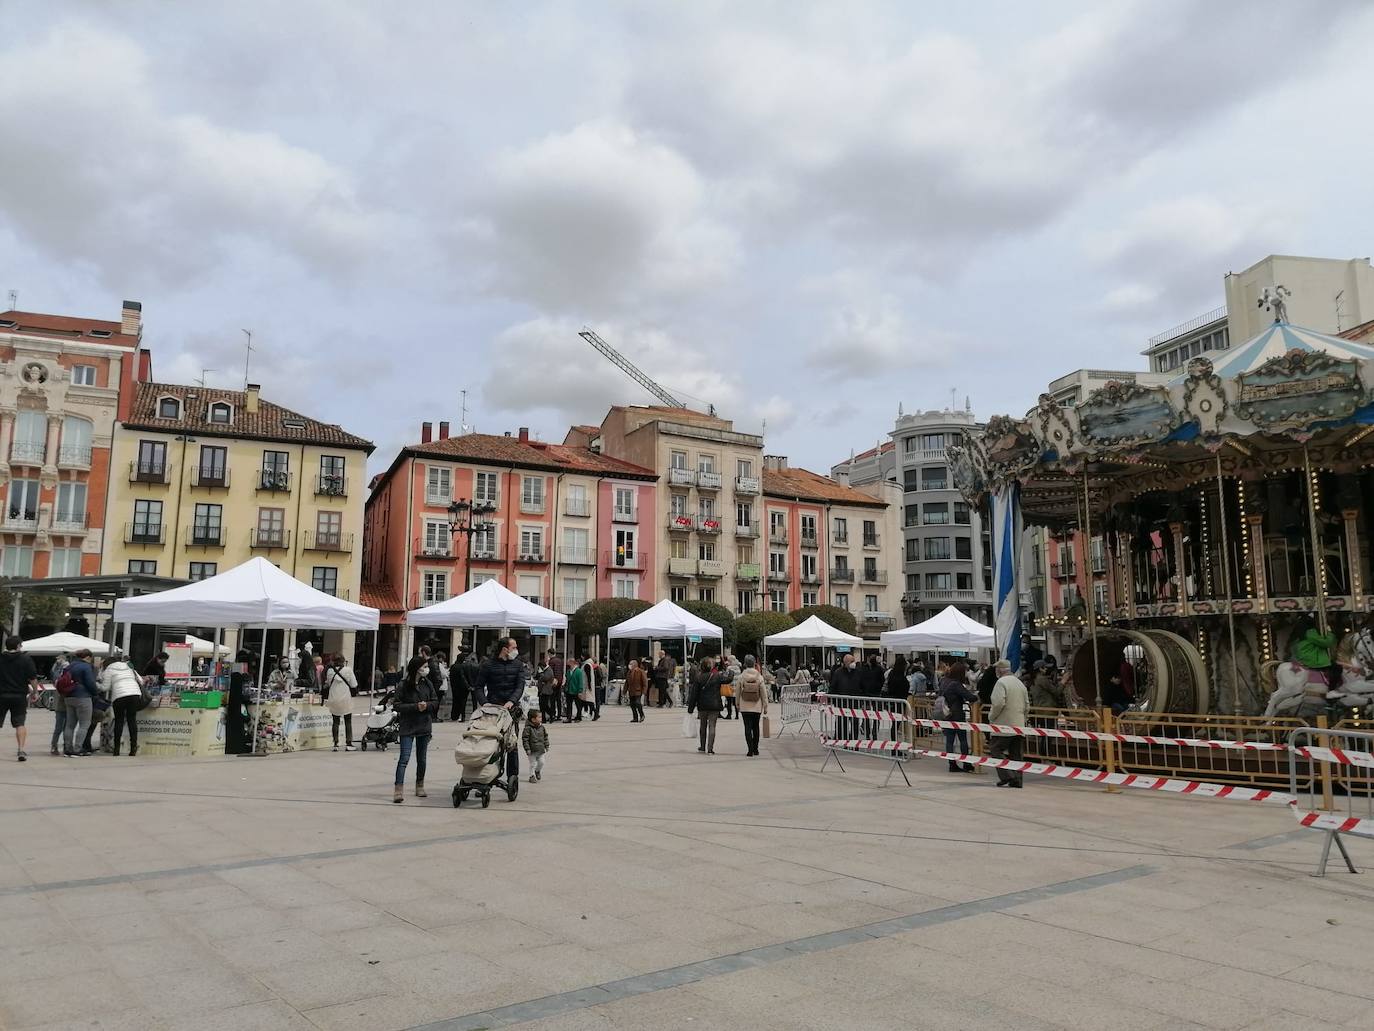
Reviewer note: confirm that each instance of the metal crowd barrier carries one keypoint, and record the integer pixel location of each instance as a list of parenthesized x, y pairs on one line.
[(799, 709), (1265, 766), (864, 725), (1331, 778)]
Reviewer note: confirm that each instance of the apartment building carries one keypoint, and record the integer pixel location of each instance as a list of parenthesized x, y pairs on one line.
[(63, 383), (565, 524), (829, 544), (707, 538)]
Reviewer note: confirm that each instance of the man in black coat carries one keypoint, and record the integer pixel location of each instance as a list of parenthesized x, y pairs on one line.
[(501, 681), (845, 679)]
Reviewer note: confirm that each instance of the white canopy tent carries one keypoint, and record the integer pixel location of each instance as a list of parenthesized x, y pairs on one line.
[(491, 606), (203, 649), (813, 632), (950, 629), (666, 620), (64, 642), (253, 596)]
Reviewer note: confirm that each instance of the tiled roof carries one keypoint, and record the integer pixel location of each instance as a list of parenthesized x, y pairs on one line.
[(269, 422), (382, 597), (882, 450), (803, 483), (589, 430), (67, 326), (528, 454), (1360, 332)]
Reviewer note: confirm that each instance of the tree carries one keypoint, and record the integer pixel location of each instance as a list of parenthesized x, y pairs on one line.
[(44, 610), (839, 618), (750, 630), (718, 615), (596, 617)]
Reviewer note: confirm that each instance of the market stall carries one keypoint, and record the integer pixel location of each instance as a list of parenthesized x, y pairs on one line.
[(666, 621), (812, 632), (947, 630), (64, 643)]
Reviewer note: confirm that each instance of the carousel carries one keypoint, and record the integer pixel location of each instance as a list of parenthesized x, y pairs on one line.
[(1233, 503)]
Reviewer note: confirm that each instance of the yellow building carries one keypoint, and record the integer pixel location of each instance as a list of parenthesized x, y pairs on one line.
[(201, 480)]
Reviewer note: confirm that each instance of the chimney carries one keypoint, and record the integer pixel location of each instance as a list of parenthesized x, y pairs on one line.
[(443, 431), (426, 432), (775, 463), (524, 434), (145, 365), (250, 404), (131, 319)]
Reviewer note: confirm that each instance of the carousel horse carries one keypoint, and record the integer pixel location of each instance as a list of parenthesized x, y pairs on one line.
[(1299, 691)]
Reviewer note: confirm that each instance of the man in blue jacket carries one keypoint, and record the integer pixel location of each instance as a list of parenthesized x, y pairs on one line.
[(501, 681), (80, 704)]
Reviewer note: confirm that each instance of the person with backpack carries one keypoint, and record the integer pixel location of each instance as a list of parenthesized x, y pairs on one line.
[(125, 688), (18, 677), (78, 686), (955, 696), (705, 701), (751, 695)]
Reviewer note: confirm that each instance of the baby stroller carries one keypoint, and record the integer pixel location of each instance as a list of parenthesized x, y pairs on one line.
[(383, 728), (490, 734)]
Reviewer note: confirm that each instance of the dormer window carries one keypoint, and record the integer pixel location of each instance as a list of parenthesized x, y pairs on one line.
[(220, 413), (168, 408)]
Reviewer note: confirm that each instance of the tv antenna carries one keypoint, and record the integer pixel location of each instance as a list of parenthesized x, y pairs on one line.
[(463, 419), (203, 373), (248, 356), (14, 300)]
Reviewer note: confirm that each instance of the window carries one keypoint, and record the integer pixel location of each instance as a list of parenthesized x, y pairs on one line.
[(908, 444), (626, 587), (23, 502), (433, 587), (911, 516), (65, 562), (841, 563), (325, 578), (677, 505), (777, 563), (706, 594), (808, 527), (83, 375), (203, 570), (147, 520), (532, 543), (842, 602), (744, 554), (677, 460), (168, 408), (531, 493), (272, 527), (152, 459), (1098, 551), (207, 526), (276, 470), (937, 581), (871, 570), (935, 513), (332, 480), (809, 597), (70, 509), (478, 579), (706, 510), (744, 469), (76, 441), (913, 553), (625, 545), (706, 551), (142, 567), (913, 583), (932, 442), (328, 529), (936, 478), (744, 602), (777, 601), (808, 566), (961, 514), (1100, 597), (870, 603), (706, 463), (484, 544), (625, 502), (530, 588), (574, 592), (1037, 559), (677, 595), (744, 514), (438, 485), (677, 548), (870, 533), (841, 530), (577, 504), (911, 479), (576, 544), (16, 560), (963, 581), (486, 488), (963, 548), (777, 523), (220, 413), (214, 464)]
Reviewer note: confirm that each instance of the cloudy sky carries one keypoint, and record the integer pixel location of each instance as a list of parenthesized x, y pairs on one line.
[(806, 214)]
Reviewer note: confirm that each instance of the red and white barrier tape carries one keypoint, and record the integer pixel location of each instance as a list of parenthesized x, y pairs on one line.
[(859, 745), (887, 715), (1336, 755), (1336, 822)]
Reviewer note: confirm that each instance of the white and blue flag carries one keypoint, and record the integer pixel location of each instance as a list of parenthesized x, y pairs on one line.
[(1006, 538)]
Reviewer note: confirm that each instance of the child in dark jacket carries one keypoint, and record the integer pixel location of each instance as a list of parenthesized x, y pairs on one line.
[(535, 741)]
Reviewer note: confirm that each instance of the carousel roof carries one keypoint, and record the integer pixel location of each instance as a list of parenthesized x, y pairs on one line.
[(1277, 340)]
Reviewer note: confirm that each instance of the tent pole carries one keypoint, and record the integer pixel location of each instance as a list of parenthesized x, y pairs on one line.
[(257, 712)]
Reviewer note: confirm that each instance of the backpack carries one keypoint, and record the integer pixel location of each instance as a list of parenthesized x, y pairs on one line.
[(940, 709), (66, 683), (749, 690)]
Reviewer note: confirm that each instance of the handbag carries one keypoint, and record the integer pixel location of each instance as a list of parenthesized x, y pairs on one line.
[(765, 727), (687, 729)]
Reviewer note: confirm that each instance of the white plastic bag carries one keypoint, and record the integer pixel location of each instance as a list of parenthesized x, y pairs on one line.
[(688, 730)]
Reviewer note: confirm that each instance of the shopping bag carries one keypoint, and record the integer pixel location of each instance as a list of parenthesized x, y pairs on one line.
[(765, 727), (688, 729)]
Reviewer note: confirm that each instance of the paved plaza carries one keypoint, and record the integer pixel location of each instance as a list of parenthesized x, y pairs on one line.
[(642, 885)]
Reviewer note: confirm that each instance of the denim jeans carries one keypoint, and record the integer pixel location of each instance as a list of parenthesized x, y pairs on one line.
[(961, 736), (420, 743), (78, 723), (707, 732), (61, 722), (537, 762)]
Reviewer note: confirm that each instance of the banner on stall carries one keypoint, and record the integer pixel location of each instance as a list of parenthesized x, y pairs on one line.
[(178, 661)]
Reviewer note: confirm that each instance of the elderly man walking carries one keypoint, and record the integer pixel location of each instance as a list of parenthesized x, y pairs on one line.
[(1008, 709)]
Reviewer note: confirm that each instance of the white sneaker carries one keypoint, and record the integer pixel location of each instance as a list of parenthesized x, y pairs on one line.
[(348, 748), (336, 748)]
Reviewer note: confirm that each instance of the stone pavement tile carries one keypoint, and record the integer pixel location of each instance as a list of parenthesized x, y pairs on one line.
[(449, 973), (284, 887), (389, 940), (1350, 979), (134, 959), (50, 999), (265, 949), (257, 1016), (107, 899), (1275, 993), (29, 904), (1089, 1008), (1284, 1020), (324, 981), (703, 923), (337, 916), (102, 1019), (1185, 1002), (513, 934), (21, 962), (201, 899), (1100, 916), (577, 1020), (236, 921), (387, 1012), (433, 910), (36, 930), (564, 968), (197, 990), (1248, 953)]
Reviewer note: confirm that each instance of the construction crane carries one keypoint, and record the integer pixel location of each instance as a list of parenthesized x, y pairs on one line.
[(630, 369)]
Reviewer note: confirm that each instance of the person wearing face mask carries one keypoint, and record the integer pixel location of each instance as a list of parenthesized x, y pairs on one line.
[(846, 679), (501, 681), (281, 679)]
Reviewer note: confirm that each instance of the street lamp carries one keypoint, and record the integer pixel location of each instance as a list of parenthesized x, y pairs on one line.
[(468, 518)]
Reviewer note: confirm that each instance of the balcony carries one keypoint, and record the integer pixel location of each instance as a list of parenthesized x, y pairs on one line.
[(682, 567), (842, 575), (205, 536), (1062, 571), (873, 618), (940, 484), (748, 485), (581, 507), (28, 452), (873, 576), (577, 556), (681, 524), (335, 593), (629, 560), (682, 477), (778, 576), (777, 535), (811, 578), (841, 537), (331, 486), (711, 526), (74, 456), (871, 540), (70, 522), (149, 472), (708, 481), (748, 571), (275, 481), (145, 533), (948, 595), (810, 540), (625, 515), (531, 554), (437, 500), (269, 539), (532, 506), (210, 478), (432, 548), (746, 530), (712, 568), (329, 540), (488, 553), (21, 522)]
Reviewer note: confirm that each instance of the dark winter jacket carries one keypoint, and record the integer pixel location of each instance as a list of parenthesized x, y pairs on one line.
[(956, 695), (84, 675), (535, 740), (500, 681), (987, 680), (846, 680), (407, 705), (706, 691), (871, 680), (17, 672)]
